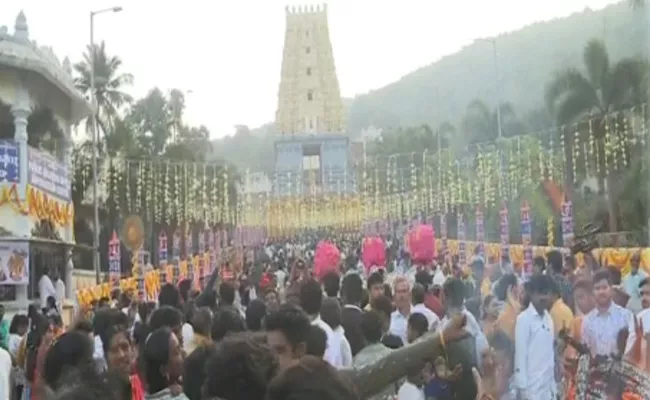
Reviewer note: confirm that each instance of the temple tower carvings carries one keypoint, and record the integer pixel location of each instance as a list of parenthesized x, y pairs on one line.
[(309, 99)]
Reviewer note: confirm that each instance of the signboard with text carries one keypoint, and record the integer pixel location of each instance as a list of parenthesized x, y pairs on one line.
[(48, 174), (9, 162)]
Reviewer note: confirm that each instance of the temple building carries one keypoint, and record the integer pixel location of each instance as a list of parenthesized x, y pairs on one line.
[(312, 150)]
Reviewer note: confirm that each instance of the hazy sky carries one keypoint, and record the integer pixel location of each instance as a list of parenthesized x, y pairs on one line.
[(228, 53)]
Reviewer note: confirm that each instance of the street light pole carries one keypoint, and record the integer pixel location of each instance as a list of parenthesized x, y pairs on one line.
[(95, 139), (497, 86)]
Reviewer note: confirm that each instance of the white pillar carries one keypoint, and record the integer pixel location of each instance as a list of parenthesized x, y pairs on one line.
[(20, 114)]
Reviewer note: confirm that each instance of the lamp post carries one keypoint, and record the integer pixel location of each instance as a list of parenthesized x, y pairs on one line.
[(497, 89), (95, 139)]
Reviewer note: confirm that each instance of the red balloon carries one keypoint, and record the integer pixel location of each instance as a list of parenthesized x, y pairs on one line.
[(373, 253), (327, 258), (422, 244)]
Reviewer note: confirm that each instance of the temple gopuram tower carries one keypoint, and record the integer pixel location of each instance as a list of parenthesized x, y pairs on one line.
[(312, 150), (309, 100)]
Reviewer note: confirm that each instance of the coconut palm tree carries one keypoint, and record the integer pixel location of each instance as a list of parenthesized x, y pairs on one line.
[(480, 123), (109, 84), (595, 92)]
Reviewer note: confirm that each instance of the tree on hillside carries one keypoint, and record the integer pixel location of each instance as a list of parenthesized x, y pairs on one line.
[(480, 124), (595, 92), (109, 85)]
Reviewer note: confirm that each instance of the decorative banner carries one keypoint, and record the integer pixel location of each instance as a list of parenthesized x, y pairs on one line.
[(480, 232), (443, 234), (176, 244), (462, 252), (14, 263), (9, 162), (504, 229), (567, 222), (48, 174), (114, 258), (526, 240), (162, 248), (189, 244)]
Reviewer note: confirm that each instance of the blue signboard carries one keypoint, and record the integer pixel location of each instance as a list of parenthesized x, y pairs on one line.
[(47, 173), (9, 162)]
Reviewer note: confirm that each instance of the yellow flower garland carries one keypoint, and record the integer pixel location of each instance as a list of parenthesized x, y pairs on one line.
[(38, 205)]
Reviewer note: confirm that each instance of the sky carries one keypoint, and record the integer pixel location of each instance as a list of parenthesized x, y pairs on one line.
[(227, 54)]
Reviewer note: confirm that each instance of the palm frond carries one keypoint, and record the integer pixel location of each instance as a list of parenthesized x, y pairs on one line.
[(569, 83), (596, 62)]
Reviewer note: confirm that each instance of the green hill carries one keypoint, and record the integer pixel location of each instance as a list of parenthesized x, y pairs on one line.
[(528, 58)]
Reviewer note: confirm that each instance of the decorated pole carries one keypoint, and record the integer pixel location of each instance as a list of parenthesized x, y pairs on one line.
[(176, 255), (443, 234), (462, 252), (189, 253), (526, 240), (114, 258), (504, 231), (480, 231)]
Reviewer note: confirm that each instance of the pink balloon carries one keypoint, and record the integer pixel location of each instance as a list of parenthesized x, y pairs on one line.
[(373, 253), (327, 258), (422, 244)]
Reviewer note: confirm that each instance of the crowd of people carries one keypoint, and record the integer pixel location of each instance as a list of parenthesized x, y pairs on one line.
[(404, 331)]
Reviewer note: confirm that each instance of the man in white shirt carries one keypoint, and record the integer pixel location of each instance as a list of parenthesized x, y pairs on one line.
[(534, 344), (46, 288), (59, 287), (417, 294), (311, 300), (643, 317), (399, 317)]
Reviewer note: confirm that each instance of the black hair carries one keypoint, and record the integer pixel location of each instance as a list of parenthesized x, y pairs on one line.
[(227, 293), (330, 312), (540, 283), (194, 373), (71, 352), (424, 278), (417, 294), (239, 369), (382, 305), (539, 260), (352, 289), (454, 290), (108, 335), (602, 274), (419, 323), (555, 261), (106, 317), (615, 275), (311, 296), (99, 387), (17, 321), (371, 326), (145, 309), (83, 325), (316, 341), (374, 279), (165, 316), (226, 320), (255, 313), (331, 284), (184, 288), (202, 321), (292, 322), (311, 378), (155, 355), (503, 284), (169, 296)]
